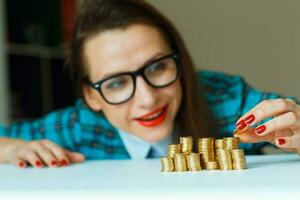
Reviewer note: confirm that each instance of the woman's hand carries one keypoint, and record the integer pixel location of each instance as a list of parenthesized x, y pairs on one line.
[(283, 129), (38, 153)]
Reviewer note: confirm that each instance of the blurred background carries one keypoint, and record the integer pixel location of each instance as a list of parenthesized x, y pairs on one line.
[(258, 39)]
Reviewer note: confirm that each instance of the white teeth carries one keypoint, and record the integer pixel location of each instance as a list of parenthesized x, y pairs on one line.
[(153, 116)]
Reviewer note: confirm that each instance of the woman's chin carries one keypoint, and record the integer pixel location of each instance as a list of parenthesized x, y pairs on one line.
[(154, 136)]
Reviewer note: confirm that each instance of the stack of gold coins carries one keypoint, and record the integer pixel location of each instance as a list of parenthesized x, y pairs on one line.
[(167, 164), (238, 159), (180, 162), (173, 149), (224, 159), (213, 154), (206, 150), (211, 165), (186, 145), (219, 144), (231, 143), (193, 162)]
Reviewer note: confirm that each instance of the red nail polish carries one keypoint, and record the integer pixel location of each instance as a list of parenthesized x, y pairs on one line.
[(281, 141), (53, 163), (259, 130), (38, 164), (241, 125), (63, 162), (249, 119), (21, 164)]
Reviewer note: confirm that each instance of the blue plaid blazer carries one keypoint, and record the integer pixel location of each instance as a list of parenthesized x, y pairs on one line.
[(77, 128)]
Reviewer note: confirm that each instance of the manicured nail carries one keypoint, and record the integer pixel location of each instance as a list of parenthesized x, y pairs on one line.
[(259, 130), (249, 119), (281, 141), (241, 125), (38, 164), (53, 163), (21, 164), (63, 162)]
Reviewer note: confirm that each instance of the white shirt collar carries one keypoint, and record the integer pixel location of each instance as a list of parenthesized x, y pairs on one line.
[(139, 148)]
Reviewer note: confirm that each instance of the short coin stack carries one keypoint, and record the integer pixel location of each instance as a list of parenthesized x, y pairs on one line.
[(193, 162), (238, 159), (212, 154)]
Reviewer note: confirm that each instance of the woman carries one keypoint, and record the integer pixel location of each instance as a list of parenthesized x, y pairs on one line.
[(139, 91)]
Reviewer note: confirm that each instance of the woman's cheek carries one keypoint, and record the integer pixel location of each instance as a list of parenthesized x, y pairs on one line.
[(117, 117)]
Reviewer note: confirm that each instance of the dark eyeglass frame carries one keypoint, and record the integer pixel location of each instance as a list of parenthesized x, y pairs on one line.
[(134, 75)]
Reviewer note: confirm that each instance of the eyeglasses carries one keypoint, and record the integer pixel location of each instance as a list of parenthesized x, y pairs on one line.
[(119, 88)]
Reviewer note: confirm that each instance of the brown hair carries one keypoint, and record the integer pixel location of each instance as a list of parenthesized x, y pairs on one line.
[(194, 117)]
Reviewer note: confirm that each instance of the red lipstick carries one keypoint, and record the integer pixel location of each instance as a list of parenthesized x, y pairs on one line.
[(145, 120)]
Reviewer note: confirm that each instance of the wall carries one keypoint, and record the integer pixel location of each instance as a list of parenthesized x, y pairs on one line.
[(4, 102), (258, 39)]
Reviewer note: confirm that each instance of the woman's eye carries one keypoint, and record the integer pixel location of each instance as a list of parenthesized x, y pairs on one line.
[(157, 67), (116, 84)]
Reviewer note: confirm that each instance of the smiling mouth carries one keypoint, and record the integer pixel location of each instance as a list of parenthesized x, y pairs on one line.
[(155, 118)]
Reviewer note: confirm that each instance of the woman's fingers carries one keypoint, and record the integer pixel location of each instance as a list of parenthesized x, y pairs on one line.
[(253, 110), (75, 157), (58, 152), (284, 121), (45, 154), (265, 110), (31, 156), (64, 156), (248, 136), (288, 142), (18, 162)]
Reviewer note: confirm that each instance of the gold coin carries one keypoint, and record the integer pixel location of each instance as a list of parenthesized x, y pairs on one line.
[(173, 149), (224, 159), (180, 162), (186, 144), (193, 162), (212, 165), (167, 164)]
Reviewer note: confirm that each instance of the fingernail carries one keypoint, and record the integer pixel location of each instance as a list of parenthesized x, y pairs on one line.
[(38, 164), (63, 162), (249, 119), (281, 141), (21, 164), (241, 125), (259, 130), (53, 163)]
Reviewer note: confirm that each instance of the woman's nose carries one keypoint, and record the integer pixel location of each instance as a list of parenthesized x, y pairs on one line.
[(145, 95)]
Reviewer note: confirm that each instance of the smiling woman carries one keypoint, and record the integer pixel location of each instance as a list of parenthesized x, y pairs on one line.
[(124, 41), (138, 90), (132, 108)]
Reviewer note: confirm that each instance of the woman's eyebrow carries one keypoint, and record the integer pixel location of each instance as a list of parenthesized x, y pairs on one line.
[(154, 57), (150, 60)]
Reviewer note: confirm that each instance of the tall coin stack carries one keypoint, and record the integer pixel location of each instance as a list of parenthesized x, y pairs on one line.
[(224, 159), (219, 144), (231, 143), (186, 144), (173, 149), (206, 150)]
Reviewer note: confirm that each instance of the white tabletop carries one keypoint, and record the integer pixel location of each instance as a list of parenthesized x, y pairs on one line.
[(272, 176)]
